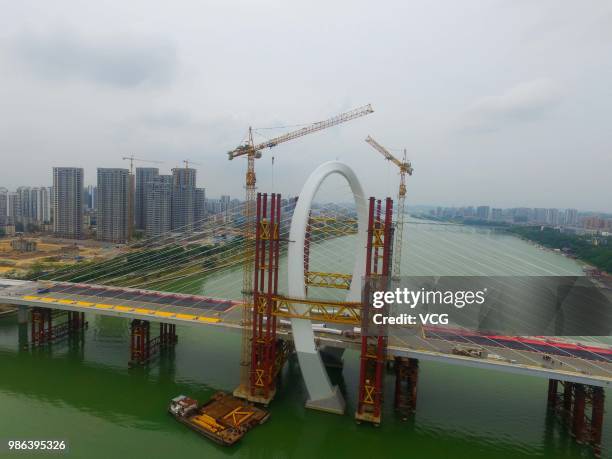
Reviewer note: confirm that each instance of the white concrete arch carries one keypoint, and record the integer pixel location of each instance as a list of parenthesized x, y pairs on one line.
[(322, 395)]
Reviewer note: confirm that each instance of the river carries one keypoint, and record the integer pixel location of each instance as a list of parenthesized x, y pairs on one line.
[(87, 396)]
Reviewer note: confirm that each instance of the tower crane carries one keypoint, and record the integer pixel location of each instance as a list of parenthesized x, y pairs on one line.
[(132, 158), (405, 169), (252, 152), (187, 162)]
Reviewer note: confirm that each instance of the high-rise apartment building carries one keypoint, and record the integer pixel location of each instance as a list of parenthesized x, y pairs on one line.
[(3, 206), (199, 208), (158, 197), (90, 197), (113, 200), (43, 205), (183, 196), (571, 217), (26, 206), (496, 214), (552, 217), (483, 212), (67, 202), (540, 215), (14, 207), (143, 176)]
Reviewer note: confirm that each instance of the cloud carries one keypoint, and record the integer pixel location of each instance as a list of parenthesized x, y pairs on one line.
[(525, 102), (125, 63)]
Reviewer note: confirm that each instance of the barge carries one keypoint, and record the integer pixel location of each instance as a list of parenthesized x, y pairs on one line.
[(224, 419)]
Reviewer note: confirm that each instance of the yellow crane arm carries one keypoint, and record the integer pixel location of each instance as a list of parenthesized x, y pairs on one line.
[(405, 168), (403, 165), (318, 126)]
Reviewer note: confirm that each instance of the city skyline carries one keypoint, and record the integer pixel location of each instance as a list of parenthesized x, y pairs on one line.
[(510, 117), (392, 193)]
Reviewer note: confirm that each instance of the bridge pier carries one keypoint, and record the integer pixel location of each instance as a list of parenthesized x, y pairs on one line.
[(44, 332), (142, 348), (41, 326), (571, 406), (76, 321), (140, 342), (406, 379), (22, 314), (332, 356), (167, 334)]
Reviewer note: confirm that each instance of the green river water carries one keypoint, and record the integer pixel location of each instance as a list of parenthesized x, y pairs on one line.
[(87, 396)]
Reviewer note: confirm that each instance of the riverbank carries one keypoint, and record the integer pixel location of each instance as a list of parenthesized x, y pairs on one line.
[(594, 251)]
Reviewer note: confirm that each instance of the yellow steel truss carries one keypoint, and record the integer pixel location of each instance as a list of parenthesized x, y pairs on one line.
[(332, 225), (329, 280), (369, 394), (238, 415), (340, 312), (265, 229)]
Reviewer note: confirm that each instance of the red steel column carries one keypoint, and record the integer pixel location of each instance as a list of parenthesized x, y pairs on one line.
[(265, 287), (257, 273), (578, 416), (373, 348), (33, 327), (597, 419), (553, 385), (567, 400), (414, 379), (364, 340)]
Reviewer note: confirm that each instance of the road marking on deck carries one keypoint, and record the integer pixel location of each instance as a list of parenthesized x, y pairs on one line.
[(85, 304), (164, 313), (209, 319), (186, 316)]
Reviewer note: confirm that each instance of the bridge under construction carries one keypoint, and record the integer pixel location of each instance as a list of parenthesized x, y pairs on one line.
[(315, 328)]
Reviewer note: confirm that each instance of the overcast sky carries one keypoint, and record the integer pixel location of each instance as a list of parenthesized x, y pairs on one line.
[(501, 102)]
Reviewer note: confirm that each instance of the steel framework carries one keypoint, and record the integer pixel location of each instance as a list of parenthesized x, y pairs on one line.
[(572, 407), (406, 379), (44, 332), (374, 339), (328, 280), (340, 312), (252, 151), (142, 347), (264, 359)]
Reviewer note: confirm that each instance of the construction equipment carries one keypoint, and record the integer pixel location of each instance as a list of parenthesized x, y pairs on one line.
[(187, 162), (405, 169), (252, 152), (132, 158)]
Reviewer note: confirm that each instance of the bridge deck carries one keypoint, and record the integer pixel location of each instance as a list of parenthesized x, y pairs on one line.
[(570, 363)]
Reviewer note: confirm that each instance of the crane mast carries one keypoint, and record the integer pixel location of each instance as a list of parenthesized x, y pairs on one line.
[(405, 169), (252, 152)]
